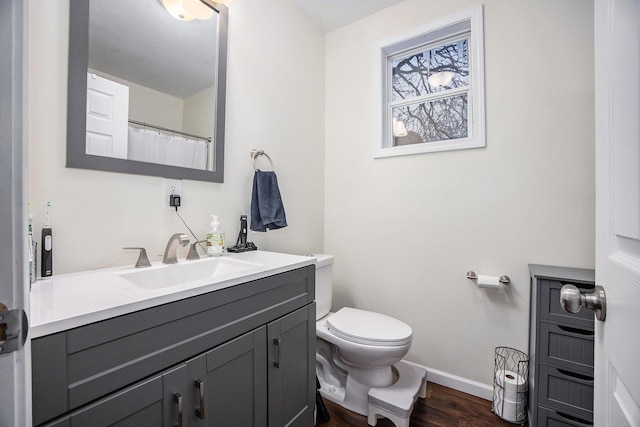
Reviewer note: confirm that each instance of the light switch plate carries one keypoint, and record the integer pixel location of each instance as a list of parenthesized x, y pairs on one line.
[(171, 186)]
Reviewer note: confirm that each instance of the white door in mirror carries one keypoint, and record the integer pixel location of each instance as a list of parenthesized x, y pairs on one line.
[(107, 117)]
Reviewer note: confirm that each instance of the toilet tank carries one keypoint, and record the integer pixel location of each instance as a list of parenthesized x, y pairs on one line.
[(324, 284)]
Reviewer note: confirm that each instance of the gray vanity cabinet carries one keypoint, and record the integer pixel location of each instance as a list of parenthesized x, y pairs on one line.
[(241, 356), (560, 350), (292, 385), (223, 387)]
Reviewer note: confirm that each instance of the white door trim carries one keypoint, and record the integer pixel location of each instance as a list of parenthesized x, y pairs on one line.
[(15, 380)]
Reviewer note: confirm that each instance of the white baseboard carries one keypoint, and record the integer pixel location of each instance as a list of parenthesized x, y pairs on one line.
[(465, 385)]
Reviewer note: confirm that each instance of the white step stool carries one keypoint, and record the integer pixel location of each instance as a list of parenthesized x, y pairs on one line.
[(396, 401)]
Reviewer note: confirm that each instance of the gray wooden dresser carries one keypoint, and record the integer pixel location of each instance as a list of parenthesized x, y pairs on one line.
[(560, 350)]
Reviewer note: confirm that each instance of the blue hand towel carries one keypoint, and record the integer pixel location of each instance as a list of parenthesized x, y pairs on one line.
[(267, 210)]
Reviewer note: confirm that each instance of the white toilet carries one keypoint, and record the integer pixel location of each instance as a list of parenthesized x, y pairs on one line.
[(356, 349)]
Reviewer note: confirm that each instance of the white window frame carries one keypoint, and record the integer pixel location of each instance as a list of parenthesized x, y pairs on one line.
[(467, 21)]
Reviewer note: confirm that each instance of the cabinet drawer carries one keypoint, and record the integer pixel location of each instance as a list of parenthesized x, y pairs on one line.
[(567, 392), (566, 347), (551, 309), (140, 405), (551, 418)]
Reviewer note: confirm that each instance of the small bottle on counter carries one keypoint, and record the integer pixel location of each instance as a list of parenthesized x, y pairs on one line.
[(215, 238), (32, 246), (46, 261)]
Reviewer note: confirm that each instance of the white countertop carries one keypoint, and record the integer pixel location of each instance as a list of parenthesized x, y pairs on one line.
[(70, 300)]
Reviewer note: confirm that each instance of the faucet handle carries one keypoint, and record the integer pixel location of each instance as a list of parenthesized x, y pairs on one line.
[(143, 260), (193, 251)]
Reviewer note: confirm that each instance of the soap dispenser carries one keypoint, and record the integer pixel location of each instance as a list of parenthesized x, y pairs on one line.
[(215, 238)]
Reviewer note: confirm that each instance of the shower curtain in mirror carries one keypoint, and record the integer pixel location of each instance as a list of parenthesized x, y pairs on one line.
[(147, 145)]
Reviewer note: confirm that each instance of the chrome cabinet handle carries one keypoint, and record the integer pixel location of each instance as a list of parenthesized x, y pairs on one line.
[(572, 300), (200, 410), (178, 398), (276, 362)]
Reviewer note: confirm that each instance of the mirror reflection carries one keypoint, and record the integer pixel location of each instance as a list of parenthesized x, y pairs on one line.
[(147, 87), (150, 84)]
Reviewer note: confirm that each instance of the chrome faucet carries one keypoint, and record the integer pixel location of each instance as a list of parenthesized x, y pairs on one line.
[(172, 247)]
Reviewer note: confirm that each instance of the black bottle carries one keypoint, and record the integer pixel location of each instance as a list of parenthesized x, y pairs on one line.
[(46, 260)]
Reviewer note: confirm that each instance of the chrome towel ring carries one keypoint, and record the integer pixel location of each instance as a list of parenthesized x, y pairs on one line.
[(256, 153)]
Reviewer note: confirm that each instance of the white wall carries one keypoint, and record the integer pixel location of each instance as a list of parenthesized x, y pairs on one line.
[(405, 230), (275, 102), (198, 110)]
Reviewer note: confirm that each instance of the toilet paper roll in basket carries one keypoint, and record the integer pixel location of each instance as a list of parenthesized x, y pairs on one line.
[(514, 385), (511, 411)]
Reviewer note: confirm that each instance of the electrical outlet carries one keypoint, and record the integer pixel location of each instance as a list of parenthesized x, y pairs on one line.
[(171, 186)]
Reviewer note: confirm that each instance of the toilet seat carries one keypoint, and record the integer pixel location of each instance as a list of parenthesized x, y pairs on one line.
[(369, 328)]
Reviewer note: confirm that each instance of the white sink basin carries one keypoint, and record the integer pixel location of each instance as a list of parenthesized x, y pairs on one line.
[(209, 270), (67, 301)]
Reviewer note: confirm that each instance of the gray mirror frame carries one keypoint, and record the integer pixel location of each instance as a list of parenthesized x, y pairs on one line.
[(77, 107)]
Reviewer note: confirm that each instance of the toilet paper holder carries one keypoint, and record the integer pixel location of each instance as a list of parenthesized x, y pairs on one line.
[(504, 279)]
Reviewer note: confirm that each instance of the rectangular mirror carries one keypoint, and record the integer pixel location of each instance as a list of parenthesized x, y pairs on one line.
[(146, 90)]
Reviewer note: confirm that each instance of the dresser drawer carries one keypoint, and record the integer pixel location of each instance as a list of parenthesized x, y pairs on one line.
[(566, 347), (566, 392), (551, 309), (551, 418)]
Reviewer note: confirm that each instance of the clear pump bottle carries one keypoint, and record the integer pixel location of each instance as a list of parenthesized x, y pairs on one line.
[(215, 238)]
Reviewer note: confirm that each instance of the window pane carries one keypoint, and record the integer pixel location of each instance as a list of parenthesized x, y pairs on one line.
[(431, 121), (432, 70)]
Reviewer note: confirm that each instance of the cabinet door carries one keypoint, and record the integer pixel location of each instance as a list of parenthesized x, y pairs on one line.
[(196, 404), (174, 397), (292, 384), (136, 406), (233, 381)]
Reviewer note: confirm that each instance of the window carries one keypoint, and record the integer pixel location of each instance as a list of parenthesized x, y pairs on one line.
[(432, 96)]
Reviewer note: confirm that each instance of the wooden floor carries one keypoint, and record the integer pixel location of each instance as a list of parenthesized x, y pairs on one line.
[(443, 407)]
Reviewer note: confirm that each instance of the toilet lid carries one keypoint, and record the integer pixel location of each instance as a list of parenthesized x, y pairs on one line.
[(366, 327)]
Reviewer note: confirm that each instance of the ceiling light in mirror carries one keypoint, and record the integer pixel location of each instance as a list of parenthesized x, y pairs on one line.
[(188, 10)]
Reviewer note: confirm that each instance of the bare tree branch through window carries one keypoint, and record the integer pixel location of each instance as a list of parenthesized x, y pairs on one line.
[(429, 93)]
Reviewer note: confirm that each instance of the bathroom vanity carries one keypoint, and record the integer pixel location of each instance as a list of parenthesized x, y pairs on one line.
[(239, 351)]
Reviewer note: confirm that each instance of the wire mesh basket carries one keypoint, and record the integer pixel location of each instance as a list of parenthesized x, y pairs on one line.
[(510, 384)]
